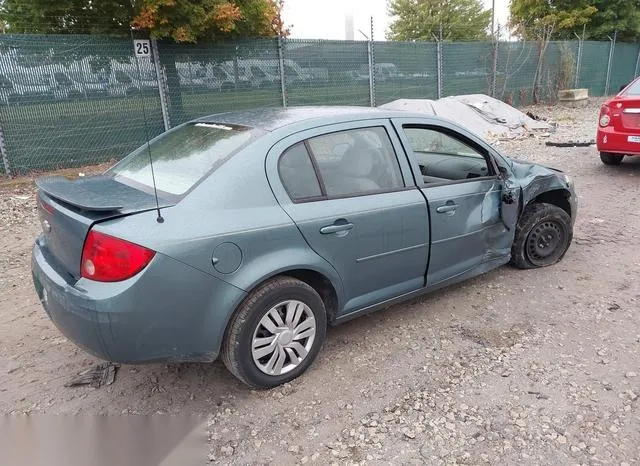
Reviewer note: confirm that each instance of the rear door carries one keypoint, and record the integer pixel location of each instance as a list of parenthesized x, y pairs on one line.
[(356, 205), (464, 195)]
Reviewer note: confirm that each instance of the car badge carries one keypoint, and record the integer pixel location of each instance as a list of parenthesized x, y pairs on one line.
[(619, 105), (46, 226)]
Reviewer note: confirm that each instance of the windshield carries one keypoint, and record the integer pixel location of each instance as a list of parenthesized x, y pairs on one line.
[(183, 156)]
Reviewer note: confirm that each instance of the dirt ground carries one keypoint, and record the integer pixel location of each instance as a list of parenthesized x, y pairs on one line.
[(514, 367)]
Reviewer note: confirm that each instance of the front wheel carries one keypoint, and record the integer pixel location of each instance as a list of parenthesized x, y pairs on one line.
[(543, 235), (275, 334), (610, 159)]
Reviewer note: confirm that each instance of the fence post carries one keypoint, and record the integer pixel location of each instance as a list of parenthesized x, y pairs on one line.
[(635, 75), (439, 61), (578, 60), (162, 85), (3, 151), (372, 77), (494, 69), (283, 85), (611, 52)]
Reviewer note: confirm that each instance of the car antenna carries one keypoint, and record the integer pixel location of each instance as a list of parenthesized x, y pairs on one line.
[(159, 219)]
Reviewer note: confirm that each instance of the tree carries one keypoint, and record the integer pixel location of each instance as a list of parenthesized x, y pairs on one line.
[(192, 20), (421, 19), (67, 16), (181, 20), (542, 19), (620, 15)]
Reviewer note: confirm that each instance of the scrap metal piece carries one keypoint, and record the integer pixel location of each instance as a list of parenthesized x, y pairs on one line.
[(97, 376), (570, 143)]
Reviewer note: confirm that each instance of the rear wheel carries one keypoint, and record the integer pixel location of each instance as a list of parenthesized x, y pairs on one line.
[(610, 159), (543, 235), (275, 334)]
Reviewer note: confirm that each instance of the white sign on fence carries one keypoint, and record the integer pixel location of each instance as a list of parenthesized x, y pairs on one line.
[(142, 48)]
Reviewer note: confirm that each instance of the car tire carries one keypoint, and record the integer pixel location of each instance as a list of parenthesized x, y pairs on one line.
[(543, 236), (265, 356), (611, 159)]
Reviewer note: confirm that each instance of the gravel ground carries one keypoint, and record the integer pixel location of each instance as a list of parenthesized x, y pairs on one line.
[(514, 367)]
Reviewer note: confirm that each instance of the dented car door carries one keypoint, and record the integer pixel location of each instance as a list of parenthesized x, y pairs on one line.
[(471, 206)]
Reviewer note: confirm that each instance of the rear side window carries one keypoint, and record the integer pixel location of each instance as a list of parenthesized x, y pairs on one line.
[(633, 89), (355, 162), (183, 156), (298, 175)]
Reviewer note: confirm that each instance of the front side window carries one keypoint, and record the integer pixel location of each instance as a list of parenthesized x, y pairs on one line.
[(357, 161), (443, 157), (183, 156)]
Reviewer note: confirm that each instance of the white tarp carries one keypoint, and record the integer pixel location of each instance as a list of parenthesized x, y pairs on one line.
[(479, 113)]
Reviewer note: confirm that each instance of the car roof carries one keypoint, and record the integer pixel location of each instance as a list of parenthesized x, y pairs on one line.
[(272, 118)]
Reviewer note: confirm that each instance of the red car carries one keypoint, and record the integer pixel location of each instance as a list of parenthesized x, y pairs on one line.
[(619, 125)]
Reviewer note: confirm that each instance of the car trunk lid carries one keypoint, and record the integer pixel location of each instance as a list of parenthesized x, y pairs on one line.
[(625, 111), (69, 208)]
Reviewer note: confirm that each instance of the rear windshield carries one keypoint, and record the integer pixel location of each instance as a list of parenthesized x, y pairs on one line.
[(182, 156), (633, 89)]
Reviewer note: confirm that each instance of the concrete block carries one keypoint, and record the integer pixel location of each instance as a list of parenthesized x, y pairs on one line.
[(574, 98), (573, 95)]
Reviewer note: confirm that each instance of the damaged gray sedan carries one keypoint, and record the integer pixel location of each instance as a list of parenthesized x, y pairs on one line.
[(269, 225)]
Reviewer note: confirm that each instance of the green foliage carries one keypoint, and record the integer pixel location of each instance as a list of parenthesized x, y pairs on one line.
[(421, 19), (191, 20), (67, 16), (181, 20), (620, 15), (562, 19)]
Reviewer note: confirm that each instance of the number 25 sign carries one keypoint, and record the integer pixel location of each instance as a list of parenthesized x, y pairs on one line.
[(142, 48)]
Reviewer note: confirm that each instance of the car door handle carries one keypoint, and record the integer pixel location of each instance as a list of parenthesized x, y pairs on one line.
[(336, 228), (446, 208)]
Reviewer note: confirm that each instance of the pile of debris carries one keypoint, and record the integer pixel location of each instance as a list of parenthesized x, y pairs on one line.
[(485, 116)]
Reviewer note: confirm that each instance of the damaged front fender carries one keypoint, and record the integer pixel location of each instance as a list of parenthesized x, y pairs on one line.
[(544, 184)]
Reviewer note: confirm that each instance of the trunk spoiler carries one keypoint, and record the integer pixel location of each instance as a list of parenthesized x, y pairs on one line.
[(99, 194)]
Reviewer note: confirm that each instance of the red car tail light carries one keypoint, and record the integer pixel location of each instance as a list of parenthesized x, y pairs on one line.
[(109, 259), (49, 208), (605, 116)]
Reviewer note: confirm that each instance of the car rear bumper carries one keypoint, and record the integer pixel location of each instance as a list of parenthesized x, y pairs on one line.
[(168, 312), (617, 142)]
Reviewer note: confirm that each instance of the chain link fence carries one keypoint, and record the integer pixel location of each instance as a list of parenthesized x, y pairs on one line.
[(77, 100)]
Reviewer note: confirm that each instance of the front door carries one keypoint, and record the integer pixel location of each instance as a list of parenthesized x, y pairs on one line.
[(464, 192), (356, 205)]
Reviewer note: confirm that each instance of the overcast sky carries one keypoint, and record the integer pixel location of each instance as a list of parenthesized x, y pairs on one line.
[(325, 19)]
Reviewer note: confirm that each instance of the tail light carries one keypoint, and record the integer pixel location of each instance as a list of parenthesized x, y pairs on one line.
[(605, 117), (109, 259), (48, 207)]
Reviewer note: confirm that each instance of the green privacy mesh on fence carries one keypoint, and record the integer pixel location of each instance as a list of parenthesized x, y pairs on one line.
[(76, 100), (202, 79), (593, 73), (623, 68), (405, 70), (326, 72), (467, 67), (71, 100)]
